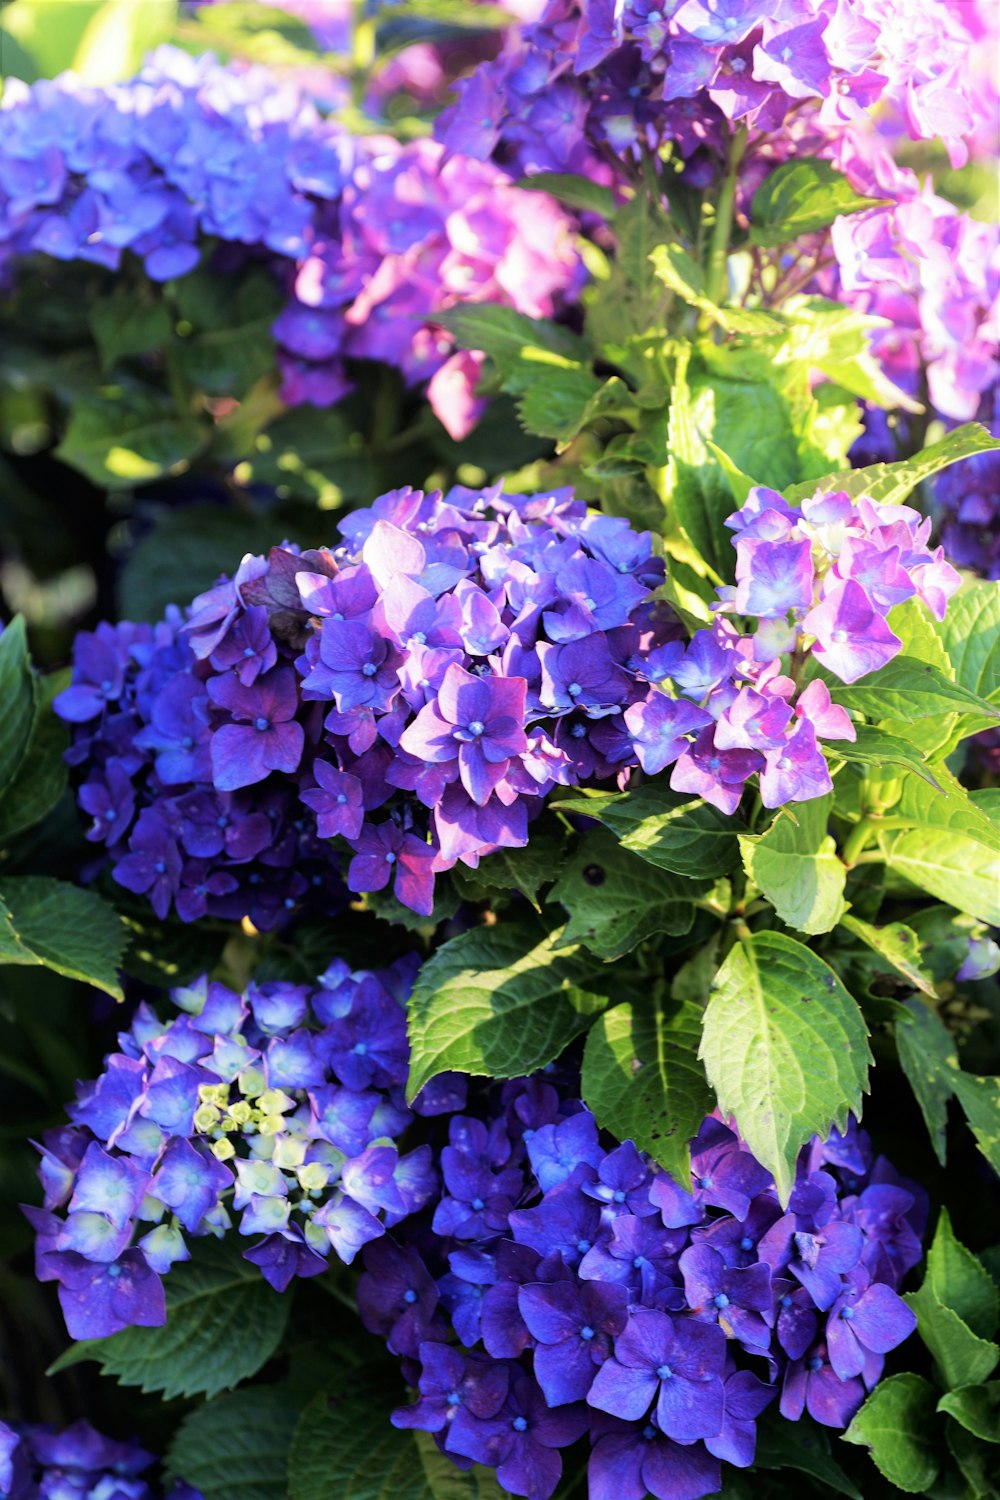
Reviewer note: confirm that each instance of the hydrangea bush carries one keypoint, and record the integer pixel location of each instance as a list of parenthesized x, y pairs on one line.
[(499, 834)]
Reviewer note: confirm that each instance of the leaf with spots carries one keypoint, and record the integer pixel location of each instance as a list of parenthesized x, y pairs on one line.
[(980, 1098), (785, 1047), (614, 899)]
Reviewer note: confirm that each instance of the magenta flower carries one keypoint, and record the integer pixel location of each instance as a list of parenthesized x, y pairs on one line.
[(852, 638), (338, 801), (383, 852), (660, 727), (477, 720), (265, 736)]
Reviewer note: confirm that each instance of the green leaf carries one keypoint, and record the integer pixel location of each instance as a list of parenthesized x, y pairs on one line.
[(498, 1001), (121, 436), (896, 1425), (17, 694), (976, 1464), (804, 1447), (699, 491), (345, 1448), (524, 349), (223, 1324), (899, 946), (802, 197), (795, 865), (785, 1048), (643, 1081), (683, 276), (970, 632), (827, 336), (236, 1447), (305, 454), (614, 899), (876, 747), (890, 484), (976, 1408), (962, 1357), (556, 404), (908, 689), (951, 849), (526, 870), (57, 926), (980, 1098), (928, 1058), (631, 303), (672, 831), (230, 345), (41, 778), (578, 192), (958, 1281), (124, 326), (119, 36)]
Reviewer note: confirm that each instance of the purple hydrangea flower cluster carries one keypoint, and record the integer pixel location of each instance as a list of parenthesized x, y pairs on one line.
[(622, 74), (277, 1112), (37, 1463), (459, 658), (566, 1289), (370, 238)]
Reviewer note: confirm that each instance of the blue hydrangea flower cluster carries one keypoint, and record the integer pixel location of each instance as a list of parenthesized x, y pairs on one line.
[(277, 1113), (567, 1289), (594, 75), (455, 661), (78, 1463), (369, 238)]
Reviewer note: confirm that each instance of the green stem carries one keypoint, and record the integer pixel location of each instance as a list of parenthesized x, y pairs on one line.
[(718, 250), (363, 29), (856, 840)]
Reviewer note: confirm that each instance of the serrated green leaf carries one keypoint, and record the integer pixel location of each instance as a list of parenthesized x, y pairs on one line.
[(643, 1081), (224, 1322), (976, 1463), (801, 197), (577, 192), (17, 694), (976, 1408), (556, 405), (970, 632), (682, 275), (928, 1058), (527, 869), (958, 1281), (795, 865), (785, 1047), (898, 945), (675, 832), (632, 302), (980, 1099), (49, 923), (236, 1447), (124, 326), (962, 1357), (876, 747), (230, 345), (890, 484), (499, 1001), (523, 349), (345, 1448), (41, 778), (836, 339), (907, 689), (951, 849), (804, 1447), (896, 1425), (122, 436), (614, 899)]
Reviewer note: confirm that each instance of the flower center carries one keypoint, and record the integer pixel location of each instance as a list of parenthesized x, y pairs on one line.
[(664, 1372), (720, 1300), (519, 1424), (369, 669), (261, 724)]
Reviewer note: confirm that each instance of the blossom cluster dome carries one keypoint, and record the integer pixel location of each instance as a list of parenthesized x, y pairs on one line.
[(597, 74), (419, 691), (37, 1463), (275, 1114), (573, 1289), (370, 238)]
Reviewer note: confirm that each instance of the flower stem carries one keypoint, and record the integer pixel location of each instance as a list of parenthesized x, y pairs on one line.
[(857, 839), (718, 250)]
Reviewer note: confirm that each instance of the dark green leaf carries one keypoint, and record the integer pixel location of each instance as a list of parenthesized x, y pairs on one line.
[(980, 1098), (962, 1357), (896, 1425), (643, 1081), (17, 694), (499, 1001), (523, 349), (231, 345), (785, 1047), (898, 945), (907, 689), (223, 1324), (958, 1280), (49, 923), (577, 192), (928, 1058), (306, 454), (124, 326), (801, 197), (795, 864), (977, 1408), (236, 1447), (556, 404), (670, 830), (976, 1463), (614, 899), (526, 870), (41, 777), (876, 747), (122, 436), (804, 1447)]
